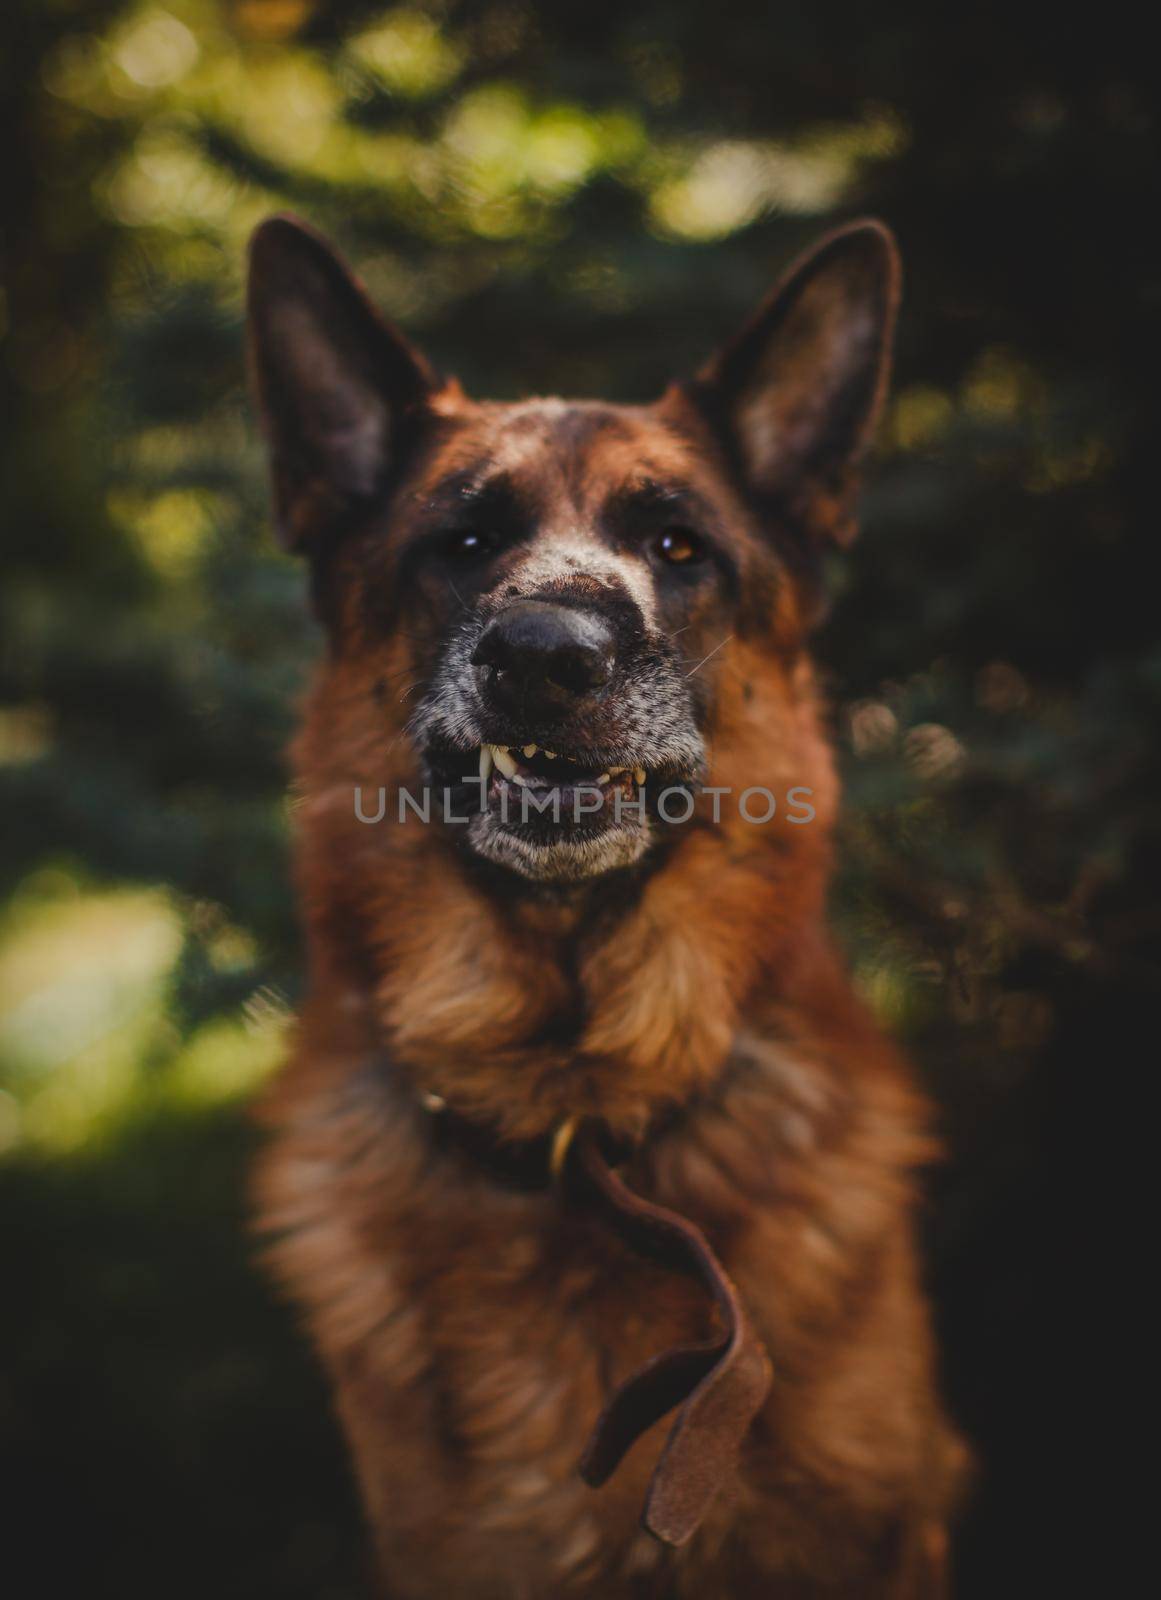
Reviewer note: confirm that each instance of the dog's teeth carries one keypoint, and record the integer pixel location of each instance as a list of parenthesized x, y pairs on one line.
[(551, 754), (615, 772), (604, 778), (639, 774), (485, 762), (503, 760), (530, 750)]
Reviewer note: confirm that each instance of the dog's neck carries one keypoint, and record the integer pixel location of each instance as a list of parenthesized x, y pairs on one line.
[(618, 1002)]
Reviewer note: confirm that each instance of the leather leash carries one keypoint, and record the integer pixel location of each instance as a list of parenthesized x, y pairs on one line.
[(719, 1383)]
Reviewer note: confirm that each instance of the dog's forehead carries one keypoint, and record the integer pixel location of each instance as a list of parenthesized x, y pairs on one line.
[(564, 459)]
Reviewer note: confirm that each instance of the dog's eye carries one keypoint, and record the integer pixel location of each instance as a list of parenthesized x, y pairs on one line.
[(679, 547), (466, 543)]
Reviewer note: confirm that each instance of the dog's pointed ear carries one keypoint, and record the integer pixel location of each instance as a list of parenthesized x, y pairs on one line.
[(796, 394), (338, 389)]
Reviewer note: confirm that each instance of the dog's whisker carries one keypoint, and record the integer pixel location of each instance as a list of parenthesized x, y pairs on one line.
[(713, 652), (466, 607), (387, 678)]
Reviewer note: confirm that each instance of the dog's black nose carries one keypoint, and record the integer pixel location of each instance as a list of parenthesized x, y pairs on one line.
[(541, 657)]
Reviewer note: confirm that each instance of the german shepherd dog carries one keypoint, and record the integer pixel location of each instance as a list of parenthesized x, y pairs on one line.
[(584, 1119)]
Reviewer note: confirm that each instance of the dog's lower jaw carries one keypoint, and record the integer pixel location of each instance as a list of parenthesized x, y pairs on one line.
[(559, 860)]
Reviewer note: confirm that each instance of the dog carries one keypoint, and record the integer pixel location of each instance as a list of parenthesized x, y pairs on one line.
[(585, 1125)]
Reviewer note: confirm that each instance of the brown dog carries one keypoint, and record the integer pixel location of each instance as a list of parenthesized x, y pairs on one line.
[(568, 623)]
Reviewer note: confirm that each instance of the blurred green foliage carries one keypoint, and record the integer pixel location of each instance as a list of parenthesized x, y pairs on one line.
[(578, 198)]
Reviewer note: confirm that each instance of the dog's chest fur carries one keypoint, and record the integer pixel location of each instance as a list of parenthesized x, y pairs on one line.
[(474, 1330)]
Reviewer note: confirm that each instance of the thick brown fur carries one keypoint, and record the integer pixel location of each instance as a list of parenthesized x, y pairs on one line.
[(473, 1328)]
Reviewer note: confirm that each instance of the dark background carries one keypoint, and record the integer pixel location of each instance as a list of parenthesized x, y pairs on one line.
[(583, 198)]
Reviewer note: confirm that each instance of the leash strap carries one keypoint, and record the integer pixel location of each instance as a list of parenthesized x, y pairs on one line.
[(719, 1383)]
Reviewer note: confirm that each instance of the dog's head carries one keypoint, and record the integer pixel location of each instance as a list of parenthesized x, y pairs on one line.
[(540, 598)]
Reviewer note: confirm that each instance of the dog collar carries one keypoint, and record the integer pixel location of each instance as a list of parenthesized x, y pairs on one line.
[(717, 1385), (526, 1164)]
